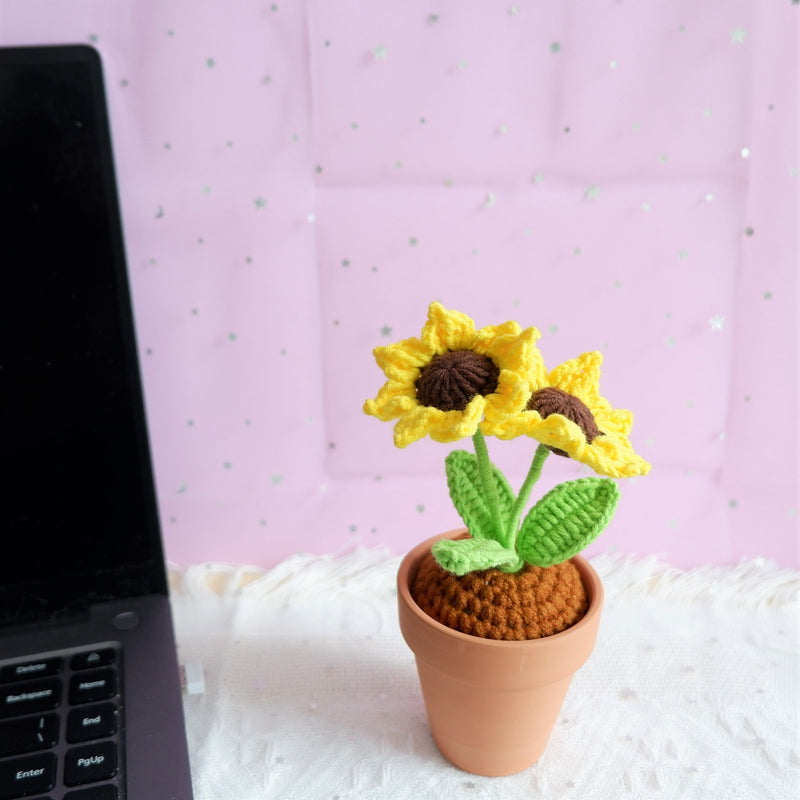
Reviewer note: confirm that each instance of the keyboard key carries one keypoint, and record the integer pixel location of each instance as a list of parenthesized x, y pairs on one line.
[(90, 686), (106, 791), (28, 734), (93, 762), (93, 659), (25, 776), (91, 722), (29, 697), (34, 697), (40, 668)]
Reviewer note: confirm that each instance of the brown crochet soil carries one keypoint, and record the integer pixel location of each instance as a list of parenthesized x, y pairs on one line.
[(534, 602)]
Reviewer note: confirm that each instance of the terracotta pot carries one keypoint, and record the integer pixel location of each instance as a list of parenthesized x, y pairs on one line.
[(492, 704)]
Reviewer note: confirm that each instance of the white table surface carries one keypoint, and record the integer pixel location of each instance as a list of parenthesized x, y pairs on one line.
[(310, 691)]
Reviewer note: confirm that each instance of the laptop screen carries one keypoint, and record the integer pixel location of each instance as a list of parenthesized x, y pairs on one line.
[(78, 515)]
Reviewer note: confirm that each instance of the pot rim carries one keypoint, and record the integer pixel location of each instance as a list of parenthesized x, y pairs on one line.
[(410, 561)]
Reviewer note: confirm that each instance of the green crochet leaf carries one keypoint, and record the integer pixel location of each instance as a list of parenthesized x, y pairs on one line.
[(470, 499), (467, 555), (567, 519)]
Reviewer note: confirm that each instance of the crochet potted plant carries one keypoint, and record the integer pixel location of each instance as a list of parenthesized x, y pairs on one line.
[(500, 614)]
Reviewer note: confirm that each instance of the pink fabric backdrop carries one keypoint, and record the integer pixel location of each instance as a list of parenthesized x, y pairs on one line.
[(300, 178)]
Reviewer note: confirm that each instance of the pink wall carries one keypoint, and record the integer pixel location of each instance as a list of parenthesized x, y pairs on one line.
[(300, 179)]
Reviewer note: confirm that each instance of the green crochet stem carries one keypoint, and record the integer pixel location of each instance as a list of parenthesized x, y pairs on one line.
[(534, 473), (489, 488), (506, 534)]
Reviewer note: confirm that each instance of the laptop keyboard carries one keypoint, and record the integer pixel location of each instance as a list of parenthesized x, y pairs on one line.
[(61, 726)]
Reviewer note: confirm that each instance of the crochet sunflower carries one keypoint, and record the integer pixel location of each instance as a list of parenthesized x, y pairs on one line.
[(456, 381)]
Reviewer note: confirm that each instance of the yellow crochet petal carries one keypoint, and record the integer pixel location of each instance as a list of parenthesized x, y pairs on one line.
[(509, 426), (580, 377), (509, 399), (447, 330), (520, 354), (414, 424), (393, 400), (402, 360), (489, 340), (557, 431), (615, 421), (450, 426), (441, 426), (523, 372), (612, 455), (511, 395)]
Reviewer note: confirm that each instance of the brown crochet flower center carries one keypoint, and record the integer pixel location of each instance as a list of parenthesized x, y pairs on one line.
[(556, 401), (452, 379)]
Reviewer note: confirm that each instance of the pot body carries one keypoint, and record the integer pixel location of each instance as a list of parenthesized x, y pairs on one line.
[(491, 704)]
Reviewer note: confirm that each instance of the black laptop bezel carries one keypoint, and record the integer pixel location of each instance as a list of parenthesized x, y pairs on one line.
[(31, 600)]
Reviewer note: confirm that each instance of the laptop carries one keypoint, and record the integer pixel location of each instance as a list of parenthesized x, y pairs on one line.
[(90, 693)]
